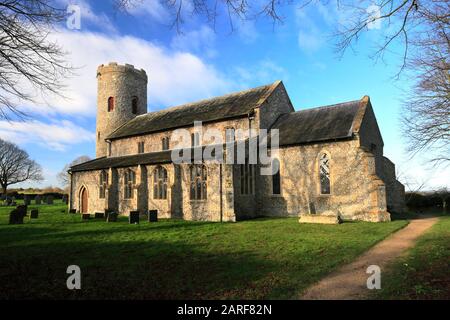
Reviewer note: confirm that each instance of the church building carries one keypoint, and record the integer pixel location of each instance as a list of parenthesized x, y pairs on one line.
[(329, 161)]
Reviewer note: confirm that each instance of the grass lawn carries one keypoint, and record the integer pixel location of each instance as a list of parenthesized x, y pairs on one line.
[(263, 258), (425, 272)]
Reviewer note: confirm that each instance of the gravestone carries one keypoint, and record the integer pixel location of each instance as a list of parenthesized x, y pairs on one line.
[(65, 199), (22, 210), (26, 200), (49, 200), (8, 201), (99, 215), (153, 216), (111, 216), (16, 217), (85, 216), (34, 214), (38, 199), (133, 217)]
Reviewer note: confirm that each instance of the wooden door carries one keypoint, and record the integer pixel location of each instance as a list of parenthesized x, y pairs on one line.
[(84, 201)]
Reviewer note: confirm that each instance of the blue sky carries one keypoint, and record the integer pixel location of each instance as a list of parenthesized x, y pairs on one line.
[(202, 62)]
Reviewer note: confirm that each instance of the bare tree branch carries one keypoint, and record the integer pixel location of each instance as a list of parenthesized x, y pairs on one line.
[(16, 166), (30, 64)]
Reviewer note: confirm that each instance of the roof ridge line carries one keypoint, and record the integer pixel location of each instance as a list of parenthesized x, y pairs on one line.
[(189, 104), (329, 105)]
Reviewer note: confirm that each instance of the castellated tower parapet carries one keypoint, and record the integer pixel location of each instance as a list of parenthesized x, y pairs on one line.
[(121, 96)]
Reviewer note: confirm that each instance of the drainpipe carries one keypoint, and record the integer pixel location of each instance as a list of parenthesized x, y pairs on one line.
[(70, 190), (221, 192)]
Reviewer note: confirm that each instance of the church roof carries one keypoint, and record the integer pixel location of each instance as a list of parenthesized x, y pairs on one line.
[(124, 161), (325, 123), (218, 108)]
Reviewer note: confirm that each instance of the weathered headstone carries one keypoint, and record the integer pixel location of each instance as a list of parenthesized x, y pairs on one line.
[(16, 217), (22, 210), (38, 199), (111, 216), (26, 200), (49, 200), (34, 214), (8, 201), (85, 216), (152, 215), (99, 215), (133, 217)]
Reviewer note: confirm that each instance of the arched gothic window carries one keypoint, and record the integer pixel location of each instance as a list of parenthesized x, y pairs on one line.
[(198, 185), (129, 181), (103, 184), (247, 178), (110, 104), (324, 174), (276, 179), (160, 183), (134, 105)]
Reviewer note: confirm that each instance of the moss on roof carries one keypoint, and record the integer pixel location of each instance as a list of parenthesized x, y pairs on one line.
[(218, 108)]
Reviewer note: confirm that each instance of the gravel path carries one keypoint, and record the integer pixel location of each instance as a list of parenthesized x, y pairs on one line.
[(349, 282)]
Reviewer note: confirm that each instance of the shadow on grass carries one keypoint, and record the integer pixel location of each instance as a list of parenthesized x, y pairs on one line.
[(131, 270)]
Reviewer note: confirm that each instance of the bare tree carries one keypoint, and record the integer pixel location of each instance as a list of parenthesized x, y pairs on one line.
[(30, 64), (63, 176), (16, 166)]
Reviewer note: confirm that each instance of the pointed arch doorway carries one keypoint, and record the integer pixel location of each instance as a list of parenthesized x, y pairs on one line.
[(83, 200)]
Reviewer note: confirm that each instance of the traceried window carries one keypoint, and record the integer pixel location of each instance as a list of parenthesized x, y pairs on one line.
[(198, 185), (247, 178), (324, 174), (141, 147), (134, 105), (276, 179), (110, 104), (129, 181), (103, 184), (165, 143), (230, 135), (160, 183)]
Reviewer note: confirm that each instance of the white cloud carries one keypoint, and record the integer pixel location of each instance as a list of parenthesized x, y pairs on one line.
[(175, 76), (264, 71), (54, 136), (151, 8), (199, 41)]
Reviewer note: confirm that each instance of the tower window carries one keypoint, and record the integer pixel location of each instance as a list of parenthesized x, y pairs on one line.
[(134, 105), (110, 104)]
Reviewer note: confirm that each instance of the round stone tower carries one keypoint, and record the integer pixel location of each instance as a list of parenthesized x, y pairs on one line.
[(121, 96)]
